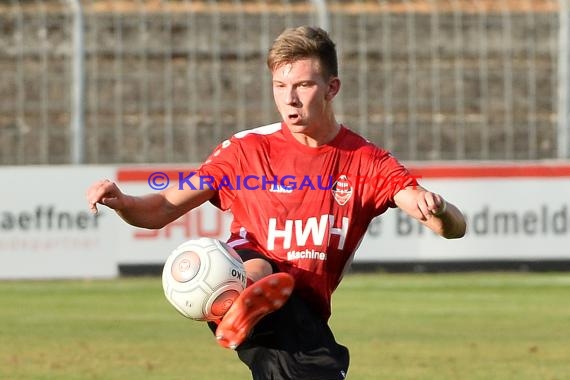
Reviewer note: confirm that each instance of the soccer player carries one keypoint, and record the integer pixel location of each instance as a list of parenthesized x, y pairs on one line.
[(302, 192)]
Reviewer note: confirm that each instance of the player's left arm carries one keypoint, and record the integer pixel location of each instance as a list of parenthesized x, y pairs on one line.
[(432, 210)]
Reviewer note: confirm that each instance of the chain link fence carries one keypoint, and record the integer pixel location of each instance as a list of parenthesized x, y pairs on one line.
[(166, 81)]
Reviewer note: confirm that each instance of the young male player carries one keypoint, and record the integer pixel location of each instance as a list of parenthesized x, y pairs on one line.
[(303, 192)]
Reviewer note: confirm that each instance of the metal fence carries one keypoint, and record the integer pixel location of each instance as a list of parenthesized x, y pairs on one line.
[(104, 81)]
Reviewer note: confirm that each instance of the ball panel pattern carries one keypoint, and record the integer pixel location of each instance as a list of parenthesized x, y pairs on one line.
[(202, 277)]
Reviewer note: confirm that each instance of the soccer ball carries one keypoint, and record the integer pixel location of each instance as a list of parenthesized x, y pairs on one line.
[(202, 278)]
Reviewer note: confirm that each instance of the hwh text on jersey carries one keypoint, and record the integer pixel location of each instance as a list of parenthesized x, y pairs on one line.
[(300, 231)]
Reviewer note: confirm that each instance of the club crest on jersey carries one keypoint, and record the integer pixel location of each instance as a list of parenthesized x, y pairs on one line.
[(342, 190)]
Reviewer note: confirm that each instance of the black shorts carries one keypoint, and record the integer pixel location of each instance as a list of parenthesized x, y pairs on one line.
[(293, 343)]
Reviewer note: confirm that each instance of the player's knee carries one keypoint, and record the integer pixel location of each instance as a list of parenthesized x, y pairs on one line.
[(257, 268)]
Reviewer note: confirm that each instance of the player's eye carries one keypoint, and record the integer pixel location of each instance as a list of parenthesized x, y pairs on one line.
[(305, 84)]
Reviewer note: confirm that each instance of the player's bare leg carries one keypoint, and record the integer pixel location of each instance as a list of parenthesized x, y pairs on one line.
[(262, 297)]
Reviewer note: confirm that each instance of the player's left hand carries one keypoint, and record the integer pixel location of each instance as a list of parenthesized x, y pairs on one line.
[(432, 210)]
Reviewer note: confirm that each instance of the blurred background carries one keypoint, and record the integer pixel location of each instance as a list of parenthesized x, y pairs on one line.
[(101, 82)]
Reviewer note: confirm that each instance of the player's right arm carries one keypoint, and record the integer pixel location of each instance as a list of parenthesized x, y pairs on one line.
[(152, 211)]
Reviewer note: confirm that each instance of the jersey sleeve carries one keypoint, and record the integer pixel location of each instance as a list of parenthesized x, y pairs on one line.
[(388, 177), (219, 171)]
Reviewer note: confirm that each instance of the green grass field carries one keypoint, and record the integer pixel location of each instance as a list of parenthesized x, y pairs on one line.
[(413, 326)]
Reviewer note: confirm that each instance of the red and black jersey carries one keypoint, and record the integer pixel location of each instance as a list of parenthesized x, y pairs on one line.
[(305, 208)]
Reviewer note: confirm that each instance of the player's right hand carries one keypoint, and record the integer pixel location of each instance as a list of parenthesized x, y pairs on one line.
[(106, 193)]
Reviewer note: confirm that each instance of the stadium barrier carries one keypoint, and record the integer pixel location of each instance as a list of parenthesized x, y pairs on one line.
[(517, 214)]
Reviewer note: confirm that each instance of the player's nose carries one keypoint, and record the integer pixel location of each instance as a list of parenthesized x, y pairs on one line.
[(291, 98)]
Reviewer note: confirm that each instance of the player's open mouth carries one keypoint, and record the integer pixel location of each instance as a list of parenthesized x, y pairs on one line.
[(293, 117)]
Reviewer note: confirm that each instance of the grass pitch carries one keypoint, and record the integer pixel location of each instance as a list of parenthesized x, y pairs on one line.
[(413, 326)]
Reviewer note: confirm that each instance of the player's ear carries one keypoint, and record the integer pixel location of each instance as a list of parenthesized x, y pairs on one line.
[(333, 89)]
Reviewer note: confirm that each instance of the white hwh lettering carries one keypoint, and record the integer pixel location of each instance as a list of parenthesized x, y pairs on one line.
[(313, 227), (341, 232)]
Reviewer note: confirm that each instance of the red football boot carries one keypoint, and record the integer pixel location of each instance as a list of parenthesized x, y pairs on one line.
[(255, 302)]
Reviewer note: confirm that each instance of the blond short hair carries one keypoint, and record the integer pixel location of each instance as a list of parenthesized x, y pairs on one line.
[(301, 43)]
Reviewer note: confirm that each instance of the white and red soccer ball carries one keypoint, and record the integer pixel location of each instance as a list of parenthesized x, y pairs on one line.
[(202, 277)]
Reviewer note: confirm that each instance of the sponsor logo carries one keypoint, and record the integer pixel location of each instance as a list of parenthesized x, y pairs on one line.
[(310, 254), (276, 188), (301, 233)]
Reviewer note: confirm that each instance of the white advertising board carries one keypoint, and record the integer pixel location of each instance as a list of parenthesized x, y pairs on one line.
[(46, 229), (508, 219)]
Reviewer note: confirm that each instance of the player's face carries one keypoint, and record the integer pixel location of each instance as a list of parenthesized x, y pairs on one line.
[(303, 96)]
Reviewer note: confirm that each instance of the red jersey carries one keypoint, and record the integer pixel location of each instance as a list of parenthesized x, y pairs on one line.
[(305, 208)]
